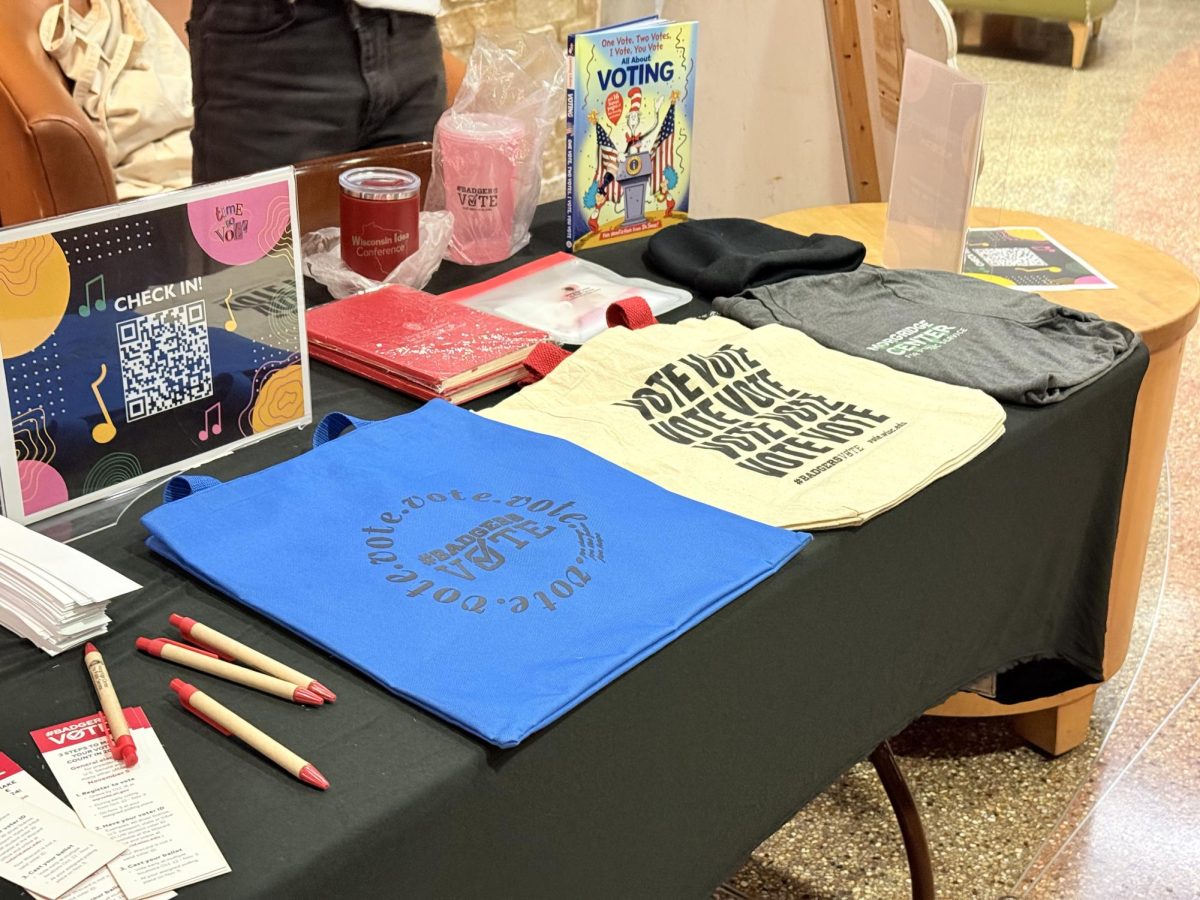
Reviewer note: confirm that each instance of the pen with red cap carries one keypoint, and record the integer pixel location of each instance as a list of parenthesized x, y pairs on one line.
[(118, 729), (228, 722), (211, 639), (206, 661)]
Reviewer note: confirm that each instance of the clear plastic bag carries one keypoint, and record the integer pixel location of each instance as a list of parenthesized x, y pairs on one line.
[(322, 257), (487, 148), (564, 295)]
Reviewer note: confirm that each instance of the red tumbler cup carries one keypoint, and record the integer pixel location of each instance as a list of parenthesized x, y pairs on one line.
[(380, 219)]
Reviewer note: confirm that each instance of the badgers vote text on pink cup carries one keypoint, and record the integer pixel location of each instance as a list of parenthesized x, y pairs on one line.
[(480, 156)]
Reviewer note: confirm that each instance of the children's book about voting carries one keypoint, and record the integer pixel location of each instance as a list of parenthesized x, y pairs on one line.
[(631, 95)]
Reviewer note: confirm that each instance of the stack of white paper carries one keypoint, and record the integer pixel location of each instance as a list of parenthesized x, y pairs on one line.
[(52, 594)]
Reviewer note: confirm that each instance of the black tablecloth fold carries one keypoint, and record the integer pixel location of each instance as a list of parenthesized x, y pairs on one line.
[(661, 784)]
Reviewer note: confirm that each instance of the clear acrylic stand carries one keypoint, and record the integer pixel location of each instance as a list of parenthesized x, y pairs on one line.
[(82, 521), (121, 368), (938, 143)]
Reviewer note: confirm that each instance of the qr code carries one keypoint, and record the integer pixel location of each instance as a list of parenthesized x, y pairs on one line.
[(1009, 256), (165, 360)]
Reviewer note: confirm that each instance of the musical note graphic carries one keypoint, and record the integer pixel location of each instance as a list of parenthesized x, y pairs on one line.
[(215, 427), (86, 310), (230, 325), (105, 431)]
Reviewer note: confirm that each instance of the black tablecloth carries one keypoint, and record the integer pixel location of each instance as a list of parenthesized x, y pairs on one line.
[(661, 784)]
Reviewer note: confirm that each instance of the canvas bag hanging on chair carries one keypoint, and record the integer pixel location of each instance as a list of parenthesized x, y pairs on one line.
[(132, 79), (490, 575)]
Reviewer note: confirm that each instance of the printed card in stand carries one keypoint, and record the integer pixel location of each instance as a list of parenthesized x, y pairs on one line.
[(145, 338)]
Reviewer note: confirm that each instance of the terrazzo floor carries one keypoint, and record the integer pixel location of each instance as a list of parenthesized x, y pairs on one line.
[(1116, 145)]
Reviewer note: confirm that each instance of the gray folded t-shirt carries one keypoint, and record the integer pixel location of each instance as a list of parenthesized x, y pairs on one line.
[(1018, 347)]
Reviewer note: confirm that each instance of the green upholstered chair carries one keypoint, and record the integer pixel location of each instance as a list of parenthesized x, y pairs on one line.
[(1083, 16)]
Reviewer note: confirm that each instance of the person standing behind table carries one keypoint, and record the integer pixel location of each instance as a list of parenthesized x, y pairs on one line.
[(277, 82)]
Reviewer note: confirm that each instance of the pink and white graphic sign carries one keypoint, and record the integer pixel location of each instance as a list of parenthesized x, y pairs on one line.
[(242, 227)]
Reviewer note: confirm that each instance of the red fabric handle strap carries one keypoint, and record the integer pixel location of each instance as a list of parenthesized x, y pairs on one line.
[(632, 313), (542, 360)]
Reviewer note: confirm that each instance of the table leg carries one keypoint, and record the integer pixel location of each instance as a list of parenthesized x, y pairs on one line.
[(1081, 32), (1059, 728), (920, 865)]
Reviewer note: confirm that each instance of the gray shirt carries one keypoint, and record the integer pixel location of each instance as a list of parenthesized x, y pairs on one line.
[(1018, 347)]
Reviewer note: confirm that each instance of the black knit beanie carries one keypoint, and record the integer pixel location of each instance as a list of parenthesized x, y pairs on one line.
[(722, 257)]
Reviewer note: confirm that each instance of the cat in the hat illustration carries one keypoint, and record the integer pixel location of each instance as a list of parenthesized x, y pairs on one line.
[(635, 132)]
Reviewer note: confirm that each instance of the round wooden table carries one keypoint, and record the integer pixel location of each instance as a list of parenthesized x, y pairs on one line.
[(1157, 297)]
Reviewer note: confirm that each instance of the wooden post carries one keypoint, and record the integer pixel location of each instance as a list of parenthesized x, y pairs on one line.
[(857, 134), (889, 58)]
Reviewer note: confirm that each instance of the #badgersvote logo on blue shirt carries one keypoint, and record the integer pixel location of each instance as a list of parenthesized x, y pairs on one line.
[(453, 570)]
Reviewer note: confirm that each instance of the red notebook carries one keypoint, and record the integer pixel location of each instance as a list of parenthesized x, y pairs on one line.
[(460, 394), (437, 344)]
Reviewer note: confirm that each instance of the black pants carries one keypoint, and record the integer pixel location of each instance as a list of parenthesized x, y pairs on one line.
[(277, 82)]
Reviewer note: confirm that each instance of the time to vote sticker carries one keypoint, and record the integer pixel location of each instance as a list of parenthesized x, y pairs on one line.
[(242, 227)]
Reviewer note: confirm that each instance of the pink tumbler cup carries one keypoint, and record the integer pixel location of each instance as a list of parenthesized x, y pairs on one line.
[(481, 156)]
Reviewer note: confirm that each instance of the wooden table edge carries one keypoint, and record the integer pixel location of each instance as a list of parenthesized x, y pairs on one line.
[(1174, 325)]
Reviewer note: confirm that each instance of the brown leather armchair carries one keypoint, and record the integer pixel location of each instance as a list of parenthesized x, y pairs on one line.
[(51, 160)]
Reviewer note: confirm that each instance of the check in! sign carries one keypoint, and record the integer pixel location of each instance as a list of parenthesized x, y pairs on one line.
[(142, 338)]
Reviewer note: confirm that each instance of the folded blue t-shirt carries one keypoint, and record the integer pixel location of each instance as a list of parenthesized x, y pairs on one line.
[(491, 575)]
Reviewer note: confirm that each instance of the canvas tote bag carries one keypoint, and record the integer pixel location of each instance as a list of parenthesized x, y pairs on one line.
[(133, 80), (493, 576), (765, 422)]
